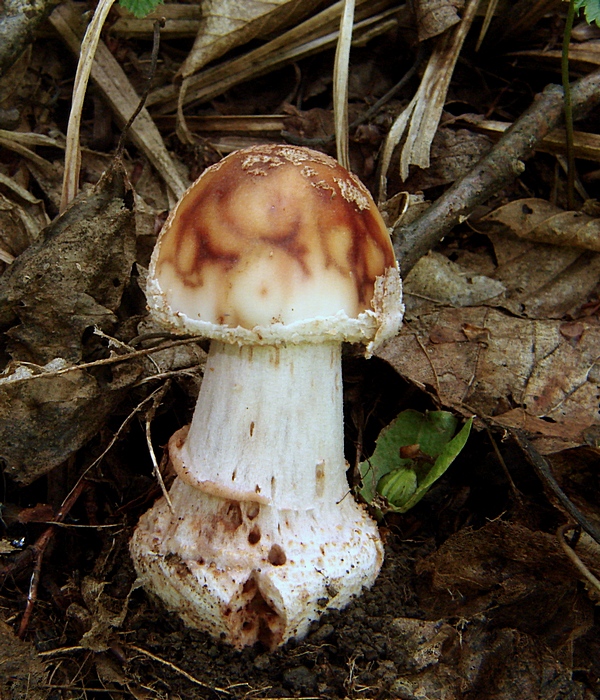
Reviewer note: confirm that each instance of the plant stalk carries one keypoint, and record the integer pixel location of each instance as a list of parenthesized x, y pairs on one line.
[(569, 106)]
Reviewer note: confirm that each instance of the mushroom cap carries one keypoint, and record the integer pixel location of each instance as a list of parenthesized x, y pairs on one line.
[(277, 243)]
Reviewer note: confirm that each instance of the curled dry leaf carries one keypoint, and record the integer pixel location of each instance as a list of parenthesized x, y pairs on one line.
[(496, 662), (70, 280), (437, 278), (106, 613), (516, 372), (543, 222), (226, 24), (488, 583)]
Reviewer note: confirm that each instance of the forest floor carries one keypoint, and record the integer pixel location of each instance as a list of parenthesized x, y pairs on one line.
[(490, 585)]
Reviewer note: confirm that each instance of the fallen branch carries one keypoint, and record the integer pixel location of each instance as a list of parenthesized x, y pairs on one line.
[(495, 170)]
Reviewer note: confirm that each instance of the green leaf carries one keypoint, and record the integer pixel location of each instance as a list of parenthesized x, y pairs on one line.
[(591, 9), (445, 459), (140, 8), (398, 486), (431, 436)]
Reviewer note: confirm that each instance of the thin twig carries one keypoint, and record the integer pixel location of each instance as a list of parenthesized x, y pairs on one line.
[(61, 650), (183, 372), (115, 437), (542, 469), (183, 673), (31, 555), (570, 552), (115, 359), (39, 549), (115, 342), (516, 493), (158, 24), (157, 397)]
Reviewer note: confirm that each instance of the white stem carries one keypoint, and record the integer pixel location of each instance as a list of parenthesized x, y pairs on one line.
[(268, 426)]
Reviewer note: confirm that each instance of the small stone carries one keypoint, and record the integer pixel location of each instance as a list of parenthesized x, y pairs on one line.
[(322, 633), (359, 613), (300, 679), (262, 662)]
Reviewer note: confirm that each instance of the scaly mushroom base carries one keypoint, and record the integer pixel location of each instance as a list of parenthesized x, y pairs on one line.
[(269, 593), (264, 535)]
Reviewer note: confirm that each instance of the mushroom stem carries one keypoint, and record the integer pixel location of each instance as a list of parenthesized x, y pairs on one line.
[(268, 426), (264, 534)]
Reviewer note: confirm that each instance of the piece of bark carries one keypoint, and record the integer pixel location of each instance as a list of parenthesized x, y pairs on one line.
[(435, 16), (18, 22)]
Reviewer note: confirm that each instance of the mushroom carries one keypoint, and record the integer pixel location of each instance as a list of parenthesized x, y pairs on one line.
[(278, 255)]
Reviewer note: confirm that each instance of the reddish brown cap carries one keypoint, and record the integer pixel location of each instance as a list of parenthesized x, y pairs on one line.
[(276, 243)]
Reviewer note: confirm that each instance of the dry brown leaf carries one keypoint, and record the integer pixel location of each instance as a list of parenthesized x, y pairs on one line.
[(585, 145), (543, 281), (438, 279), (104, 620), (14, 236), (22, 217), (539, 220), (226, 24), (583, 55), (514, 603), (422, 115), (70, 280), (521, 16), (486, 662), (435, 16), (518, 372), (22, 673), (453, 153), (312, 36), (14, 78), (514, 576)]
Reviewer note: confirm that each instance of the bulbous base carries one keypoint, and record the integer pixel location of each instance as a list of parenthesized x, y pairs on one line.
[(247, 572)]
